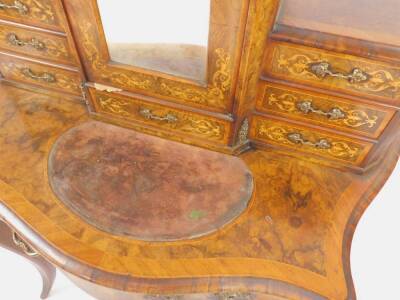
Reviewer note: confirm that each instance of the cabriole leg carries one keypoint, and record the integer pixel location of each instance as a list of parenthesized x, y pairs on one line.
[(13, 242)]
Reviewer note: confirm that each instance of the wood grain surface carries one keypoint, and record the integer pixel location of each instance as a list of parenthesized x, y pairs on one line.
[(291, 240), (36, 44), (296, 232), (227, 24), (30, 72), (292, 63), (46, 14), (358, 118)]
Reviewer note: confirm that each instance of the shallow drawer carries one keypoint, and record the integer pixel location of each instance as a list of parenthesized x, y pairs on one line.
[(337, 72), (308, 140), (160, 116), (332, 112), (36, 44), (40, 75), (41, 13)]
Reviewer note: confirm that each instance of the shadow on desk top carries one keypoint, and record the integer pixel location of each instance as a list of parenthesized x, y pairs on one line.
[(296, 232)]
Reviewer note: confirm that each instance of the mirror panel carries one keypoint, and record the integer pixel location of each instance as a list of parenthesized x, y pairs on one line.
[(179, 46), (368, 20)]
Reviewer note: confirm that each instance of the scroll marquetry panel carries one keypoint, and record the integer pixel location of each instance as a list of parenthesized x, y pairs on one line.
[(224, 48), (333, 71), (40, 13), (302, 139), (337, 113), (214, 95), (41, 75), (163, 117), (36, 44)]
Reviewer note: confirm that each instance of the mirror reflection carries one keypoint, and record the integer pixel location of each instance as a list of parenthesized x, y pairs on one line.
[(166, 36)]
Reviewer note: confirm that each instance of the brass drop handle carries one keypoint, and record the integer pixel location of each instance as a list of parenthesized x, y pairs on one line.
[(148, 114), (33, 42), (324, 69), (18, 5), (47, 77), (25, 247), (307, 107), (297, 138)]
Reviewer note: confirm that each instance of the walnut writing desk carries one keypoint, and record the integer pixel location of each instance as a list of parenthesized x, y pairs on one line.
[(233, 162)]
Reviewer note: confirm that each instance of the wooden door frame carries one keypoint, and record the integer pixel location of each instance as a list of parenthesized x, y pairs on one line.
[(227, 28)]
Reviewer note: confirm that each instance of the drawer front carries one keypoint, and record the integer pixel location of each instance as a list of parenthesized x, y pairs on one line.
[(309, 140), (337, 72), (36, 44), (41, 13), (340, 114), (163, 117), (40, 75)]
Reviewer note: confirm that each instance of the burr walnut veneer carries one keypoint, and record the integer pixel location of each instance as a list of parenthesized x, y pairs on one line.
[(235, 169)]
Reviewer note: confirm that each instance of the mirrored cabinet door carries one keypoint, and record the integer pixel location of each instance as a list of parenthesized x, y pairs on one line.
[(165, 36), (184, 51)]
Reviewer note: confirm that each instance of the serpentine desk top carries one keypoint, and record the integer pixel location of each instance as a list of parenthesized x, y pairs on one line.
[(297, 229)]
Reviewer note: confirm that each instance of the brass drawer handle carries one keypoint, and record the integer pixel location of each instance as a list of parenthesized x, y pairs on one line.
[(297, 138), (18, 5), (33, 42), (148, 114), (25, 247), (334, 114), (47, 77), (324, 69)]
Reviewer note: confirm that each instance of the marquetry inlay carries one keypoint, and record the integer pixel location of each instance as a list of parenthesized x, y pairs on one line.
[(307, 140), (184, 121), (213, 95), (299, 63)]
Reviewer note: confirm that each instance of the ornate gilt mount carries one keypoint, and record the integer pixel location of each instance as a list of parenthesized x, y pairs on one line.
[(148, 114), (324, 69), (311, 65), (243, 136), (18, 6), (33, 42), (298, 138), (284, 135), (24, 246), (46, 77), (343, 114), (334, 114), (178, 120)]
